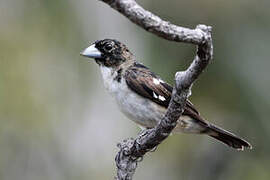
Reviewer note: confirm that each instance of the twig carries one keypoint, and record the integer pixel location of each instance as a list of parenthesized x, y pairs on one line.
[(133, 150)]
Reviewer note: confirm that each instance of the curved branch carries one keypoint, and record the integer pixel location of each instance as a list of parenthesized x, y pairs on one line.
[(152, 23), (131, 150)]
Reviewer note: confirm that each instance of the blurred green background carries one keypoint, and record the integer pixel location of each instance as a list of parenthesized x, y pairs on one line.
[(58, 123)]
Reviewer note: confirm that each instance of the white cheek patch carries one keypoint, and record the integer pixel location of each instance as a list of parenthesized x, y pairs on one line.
[(162, 98)]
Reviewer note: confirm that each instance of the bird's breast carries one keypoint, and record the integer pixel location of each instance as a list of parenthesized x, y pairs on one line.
[(139, 109)]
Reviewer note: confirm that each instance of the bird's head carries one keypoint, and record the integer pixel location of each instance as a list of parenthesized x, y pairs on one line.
[(108, 52)]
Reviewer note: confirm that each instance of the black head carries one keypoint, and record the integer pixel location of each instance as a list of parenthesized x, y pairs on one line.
[(108, 52)]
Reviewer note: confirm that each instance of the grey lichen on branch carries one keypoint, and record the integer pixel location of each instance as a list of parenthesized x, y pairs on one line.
[(132, 150)]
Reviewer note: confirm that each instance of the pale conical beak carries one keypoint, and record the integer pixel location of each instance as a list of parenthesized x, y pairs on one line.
[(91, 52)]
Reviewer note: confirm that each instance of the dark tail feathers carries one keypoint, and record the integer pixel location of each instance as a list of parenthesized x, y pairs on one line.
[(228, 138)]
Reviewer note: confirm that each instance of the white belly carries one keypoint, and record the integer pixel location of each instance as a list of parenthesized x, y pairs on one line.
[(141, 110)]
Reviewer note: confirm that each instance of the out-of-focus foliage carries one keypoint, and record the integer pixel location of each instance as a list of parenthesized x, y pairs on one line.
[(57, 122)]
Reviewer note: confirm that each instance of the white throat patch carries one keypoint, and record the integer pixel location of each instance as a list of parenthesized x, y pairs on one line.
[(109, 76)]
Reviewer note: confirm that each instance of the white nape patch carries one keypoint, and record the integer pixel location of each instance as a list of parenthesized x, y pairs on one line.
[(162, 98), (156, 81), (155, 96)]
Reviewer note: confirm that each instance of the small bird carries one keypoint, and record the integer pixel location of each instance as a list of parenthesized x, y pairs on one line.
[(144, 97)]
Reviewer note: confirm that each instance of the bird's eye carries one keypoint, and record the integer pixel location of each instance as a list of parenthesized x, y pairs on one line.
[(108, 47)]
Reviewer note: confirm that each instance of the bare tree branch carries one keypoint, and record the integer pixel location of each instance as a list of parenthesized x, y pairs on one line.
[(155, 24), (132, 150)]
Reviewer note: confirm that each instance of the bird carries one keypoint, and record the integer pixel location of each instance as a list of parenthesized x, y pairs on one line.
[(144, 97)]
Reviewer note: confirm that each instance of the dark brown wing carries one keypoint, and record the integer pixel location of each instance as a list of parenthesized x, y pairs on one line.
[(144, 82), (141, 80)]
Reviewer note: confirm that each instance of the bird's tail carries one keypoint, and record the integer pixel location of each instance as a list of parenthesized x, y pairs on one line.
[(227, 137)]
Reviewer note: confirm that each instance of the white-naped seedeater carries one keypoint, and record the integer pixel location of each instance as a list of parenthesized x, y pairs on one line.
[(144, 97)]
